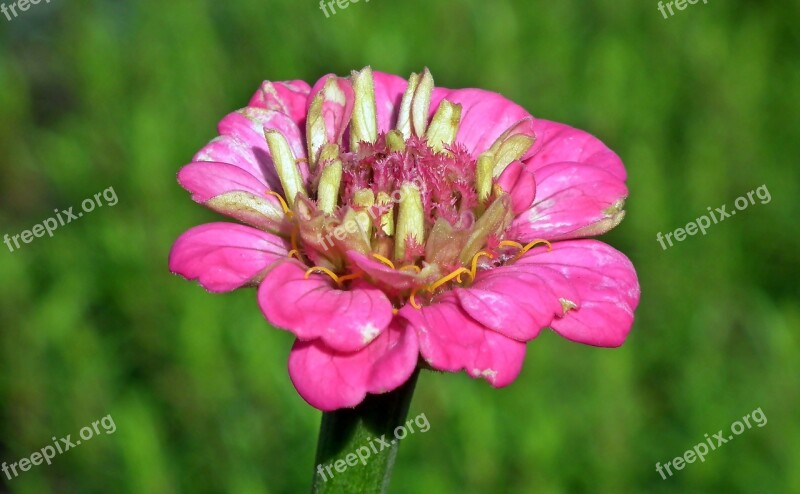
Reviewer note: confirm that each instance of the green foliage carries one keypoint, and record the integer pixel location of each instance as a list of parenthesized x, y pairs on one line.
[(702, 107)]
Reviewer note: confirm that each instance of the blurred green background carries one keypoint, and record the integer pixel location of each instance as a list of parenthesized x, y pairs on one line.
[(703, 107)]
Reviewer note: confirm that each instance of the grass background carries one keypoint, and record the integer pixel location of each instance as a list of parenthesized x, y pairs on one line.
[(703, 107)]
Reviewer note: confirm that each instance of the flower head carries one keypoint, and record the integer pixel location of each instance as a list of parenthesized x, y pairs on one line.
[(391, 220)]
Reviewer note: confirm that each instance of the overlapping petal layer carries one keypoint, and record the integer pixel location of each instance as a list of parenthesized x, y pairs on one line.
[(329, 379), (572, 200), (225, 256), (313, 307), (606, 285), (450, 340), (288, 97)]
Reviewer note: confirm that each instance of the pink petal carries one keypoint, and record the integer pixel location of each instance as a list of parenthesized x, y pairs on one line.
[(607, 287), (207, 179), (249, 124), (225, 256), (345, 320), (572, 201), (450, 340), (389, 90), (237, 152), (243, 144), (484, 116), (520, 183), (517, 300), (287, 97), (336, 114), (398, 281), (558, 143), (329, 380)]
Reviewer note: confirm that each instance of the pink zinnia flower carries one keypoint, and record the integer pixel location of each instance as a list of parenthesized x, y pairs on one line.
[(390, 220)]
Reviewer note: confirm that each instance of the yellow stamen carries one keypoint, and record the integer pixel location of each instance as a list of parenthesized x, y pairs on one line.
[(383, 260), (395, 311), (412, 300), (285, 207), (348, 277), (511, 243), (455, 274), (320, 269), (525, 248), (296, 254), (293, 239), (475, 258), (338, 279), (412, 267), (532, 245)]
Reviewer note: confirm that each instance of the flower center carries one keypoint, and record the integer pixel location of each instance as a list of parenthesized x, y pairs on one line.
[(410, 211), (445, 180)]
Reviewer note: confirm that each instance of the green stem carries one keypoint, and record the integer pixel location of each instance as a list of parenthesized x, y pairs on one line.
[(356, 433)]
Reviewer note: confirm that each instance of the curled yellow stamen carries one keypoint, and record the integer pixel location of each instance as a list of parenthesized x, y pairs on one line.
[(475, 258), (525, 248), (412, 267), (395, 311), (320, 269), (285, 207), (383, 260), (348, 277), (455, 274), (511, 243), (412, 300), (296, 254), (532, 245), (338, 279)]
